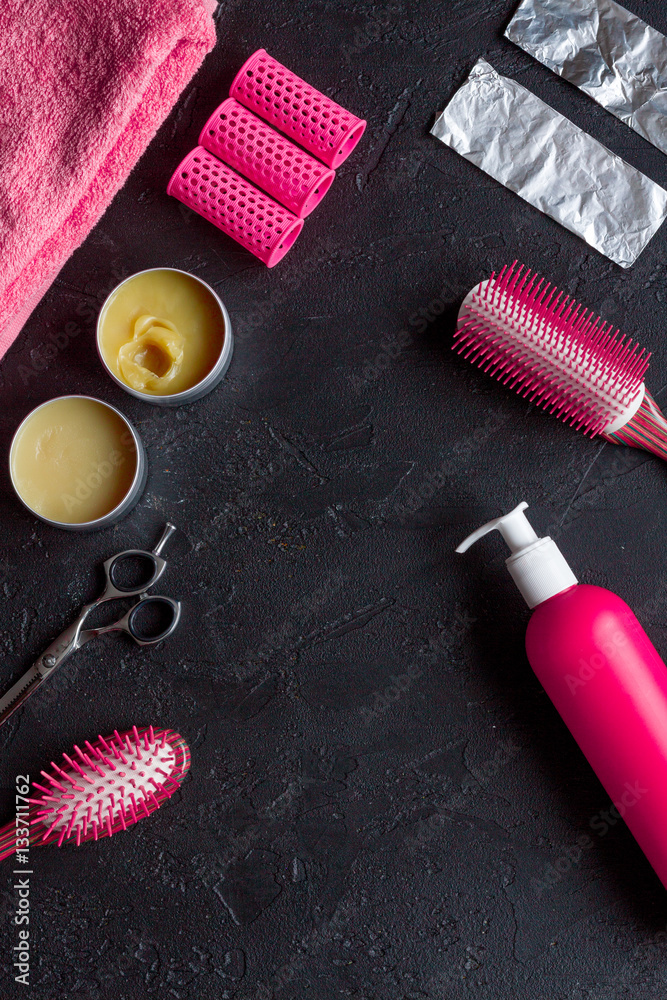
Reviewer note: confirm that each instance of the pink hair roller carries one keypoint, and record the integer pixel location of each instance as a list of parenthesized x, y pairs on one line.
[(261, 154), (281, 97), (234, 205)]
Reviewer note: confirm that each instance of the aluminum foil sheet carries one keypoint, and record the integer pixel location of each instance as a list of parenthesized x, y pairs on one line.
[(550, 162), (609, 53)]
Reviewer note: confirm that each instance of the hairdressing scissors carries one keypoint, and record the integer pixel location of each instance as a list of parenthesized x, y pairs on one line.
[(75, 636)]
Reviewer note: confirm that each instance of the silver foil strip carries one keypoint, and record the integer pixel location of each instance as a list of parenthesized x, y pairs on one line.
[(552, 164), (609, 53)]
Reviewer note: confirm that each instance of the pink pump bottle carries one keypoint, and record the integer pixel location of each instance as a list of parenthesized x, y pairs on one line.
[(602, 673)]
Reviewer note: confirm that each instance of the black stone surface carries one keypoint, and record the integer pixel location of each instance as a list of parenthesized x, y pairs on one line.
[(380, 790)]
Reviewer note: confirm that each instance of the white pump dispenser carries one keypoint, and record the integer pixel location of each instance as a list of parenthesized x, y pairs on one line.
[(536, 565)]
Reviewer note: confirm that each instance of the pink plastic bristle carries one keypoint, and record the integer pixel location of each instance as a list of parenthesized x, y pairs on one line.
[(70, 826), (119, 746), (51, 828), (67, 777), (42, 788), (78, 769), (94, 755), (103, 804), (56, 784)]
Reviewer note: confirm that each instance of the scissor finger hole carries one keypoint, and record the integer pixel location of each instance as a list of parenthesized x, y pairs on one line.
[(132, 572), (152, 619)]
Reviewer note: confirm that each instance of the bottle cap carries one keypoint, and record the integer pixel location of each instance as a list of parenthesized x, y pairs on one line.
[(536, 565)]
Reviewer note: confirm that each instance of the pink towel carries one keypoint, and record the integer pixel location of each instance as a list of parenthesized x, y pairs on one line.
[(84, 86)]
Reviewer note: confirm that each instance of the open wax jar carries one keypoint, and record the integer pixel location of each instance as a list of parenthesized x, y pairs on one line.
[(77, 463), (165, 336)]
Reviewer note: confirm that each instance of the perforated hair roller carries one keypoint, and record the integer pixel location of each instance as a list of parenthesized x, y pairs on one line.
[(268, 159), (282, 98), (216, 192)]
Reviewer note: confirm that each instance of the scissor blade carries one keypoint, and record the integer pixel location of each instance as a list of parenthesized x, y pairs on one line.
[(18, 693)]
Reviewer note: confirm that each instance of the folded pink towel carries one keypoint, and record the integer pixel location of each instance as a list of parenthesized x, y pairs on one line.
[(83, 88)]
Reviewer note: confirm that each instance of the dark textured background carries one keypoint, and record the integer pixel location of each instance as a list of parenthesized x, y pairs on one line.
[(379, 787)]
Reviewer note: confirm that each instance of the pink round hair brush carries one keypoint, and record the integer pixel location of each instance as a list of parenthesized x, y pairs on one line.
[(105, 788), (551, 349)]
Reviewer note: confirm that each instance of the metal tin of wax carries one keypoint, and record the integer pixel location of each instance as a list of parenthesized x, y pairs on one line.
[(210, 380), (132, 444)]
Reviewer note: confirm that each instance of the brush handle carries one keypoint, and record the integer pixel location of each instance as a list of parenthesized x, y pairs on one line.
[(7, 840), (647, 429)]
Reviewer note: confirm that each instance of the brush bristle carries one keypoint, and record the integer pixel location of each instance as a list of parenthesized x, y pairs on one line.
[(549, 348), (107, 787)]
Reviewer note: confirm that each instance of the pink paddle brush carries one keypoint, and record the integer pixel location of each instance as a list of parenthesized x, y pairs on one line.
[(105, 788), (548, 347)]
